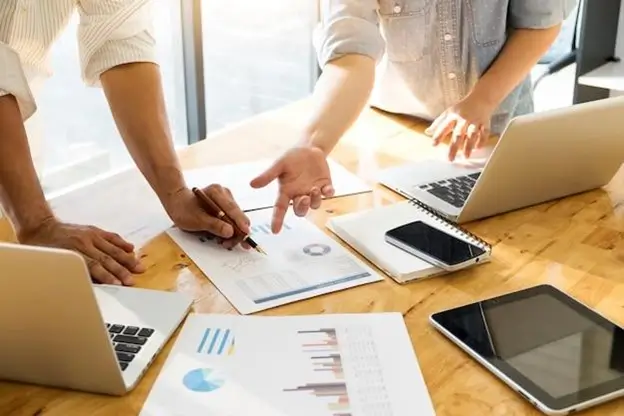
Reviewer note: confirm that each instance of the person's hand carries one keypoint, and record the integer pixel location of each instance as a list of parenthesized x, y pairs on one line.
[(187, 214), (467, 123), (303, 177), (110, 259)]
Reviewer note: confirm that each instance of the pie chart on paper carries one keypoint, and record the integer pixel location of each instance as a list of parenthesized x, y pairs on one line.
[(203, 380)]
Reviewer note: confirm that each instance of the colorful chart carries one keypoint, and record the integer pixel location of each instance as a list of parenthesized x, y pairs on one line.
[(323, 351), (217, 341), (202, 380)]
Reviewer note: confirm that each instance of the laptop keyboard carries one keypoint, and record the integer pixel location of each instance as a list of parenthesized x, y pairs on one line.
[(128, 341), (454, 191)]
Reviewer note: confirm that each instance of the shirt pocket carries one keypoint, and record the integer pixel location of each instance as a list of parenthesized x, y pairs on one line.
[(489, 20), (406, 26)]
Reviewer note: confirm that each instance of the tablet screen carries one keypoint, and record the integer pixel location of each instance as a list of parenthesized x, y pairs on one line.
[(552, 346)]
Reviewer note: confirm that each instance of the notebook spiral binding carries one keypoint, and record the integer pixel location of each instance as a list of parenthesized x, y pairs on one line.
[(470, 236)]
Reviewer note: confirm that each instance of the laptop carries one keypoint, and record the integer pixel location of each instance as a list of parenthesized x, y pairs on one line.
[(539, 157), (61, 330)]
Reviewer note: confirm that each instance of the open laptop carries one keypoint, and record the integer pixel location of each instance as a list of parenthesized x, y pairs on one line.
[(539, 157), (60, 330)]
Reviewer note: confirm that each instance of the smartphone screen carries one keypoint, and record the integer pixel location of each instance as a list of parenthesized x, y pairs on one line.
[(435, 243)]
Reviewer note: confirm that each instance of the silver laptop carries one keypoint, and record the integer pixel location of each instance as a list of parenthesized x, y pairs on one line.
[(539, 157), (60, 330)]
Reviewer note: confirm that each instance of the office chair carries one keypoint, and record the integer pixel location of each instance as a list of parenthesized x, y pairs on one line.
[(557, 63)]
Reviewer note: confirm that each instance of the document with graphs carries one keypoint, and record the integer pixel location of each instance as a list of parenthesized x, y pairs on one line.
[(314, 365), (301, 262)]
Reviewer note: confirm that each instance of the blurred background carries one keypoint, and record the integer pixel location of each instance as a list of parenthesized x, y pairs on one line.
[(257, 56)]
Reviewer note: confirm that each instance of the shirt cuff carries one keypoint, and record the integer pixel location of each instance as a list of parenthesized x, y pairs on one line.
[(112, 53), (13, 81), (348, 36)]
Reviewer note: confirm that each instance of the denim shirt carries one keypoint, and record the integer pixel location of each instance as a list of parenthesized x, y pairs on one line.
[(430, 53)]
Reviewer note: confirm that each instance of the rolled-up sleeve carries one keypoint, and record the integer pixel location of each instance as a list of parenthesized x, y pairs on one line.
[(348, 27), (13, 81), (539, 14), (112, 33)]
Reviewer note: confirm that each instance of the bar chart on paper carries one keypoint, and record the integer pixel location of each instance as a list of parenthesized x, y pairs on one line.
[(216, 341), (331, 365), (346, 376)]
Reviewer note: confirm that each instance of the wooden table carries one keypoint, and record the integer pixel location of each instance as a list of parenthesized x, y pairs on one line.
[(576, 244)]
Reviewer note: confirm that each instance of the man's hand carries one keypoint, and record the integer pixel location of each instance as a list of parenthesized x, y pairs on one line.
[(303, 177), (109, 257), (467, 123), (188, 215)]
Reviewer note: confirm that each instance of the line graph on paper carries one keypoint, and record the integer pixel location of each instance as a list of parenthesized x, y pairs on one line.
[(241, 263)]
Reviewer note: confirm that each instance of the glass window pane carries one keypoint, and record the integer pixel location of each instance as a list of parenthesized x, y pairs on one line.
[(258, 56)]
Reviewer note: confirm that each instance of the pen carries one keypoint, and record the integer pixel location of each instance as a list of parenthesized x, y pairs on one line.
[(213, 209)]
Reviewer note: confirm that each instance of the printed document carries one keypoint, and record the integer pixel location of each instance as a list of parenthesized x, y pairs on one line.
[(301, 262), (315, 365)]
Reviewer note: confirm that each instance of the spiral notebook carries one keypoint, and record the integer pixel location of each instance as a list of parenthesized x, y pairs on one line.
[(364, 231)]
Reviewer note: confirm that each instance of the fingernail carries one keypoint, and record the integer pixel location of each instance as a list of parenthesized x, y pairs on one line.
[(139, 267), (117, 282)]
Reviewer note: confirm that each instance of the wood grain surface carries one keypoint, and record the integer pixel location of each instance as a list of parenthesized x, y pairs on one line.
[(576, 244)]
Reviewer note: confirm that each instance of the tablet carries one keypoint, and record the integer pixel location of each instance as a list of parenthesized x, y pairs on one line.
[(556, 352)]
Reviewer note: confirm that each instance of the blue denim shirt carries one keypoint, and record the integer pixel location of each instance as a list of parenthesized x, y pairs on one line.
[(430, 53)]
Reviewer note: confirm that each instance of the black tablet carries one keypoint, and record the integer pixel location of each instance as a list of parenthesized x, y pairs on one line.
[(556, 352)]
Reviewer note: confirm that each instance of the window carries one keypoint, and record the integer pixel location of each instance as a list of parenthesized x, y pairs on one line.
[(258, 56), (78, 140)]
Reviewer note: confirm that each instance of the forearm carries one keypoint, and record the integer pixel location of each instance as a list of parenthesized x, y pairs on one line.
[(134, 92), (522, 51), (339, 97), (20, 192)]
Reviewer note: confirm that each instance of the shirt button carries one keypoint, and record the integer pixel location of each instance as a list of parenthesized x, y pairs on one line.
[(448, 37), (452, 75), (397, 8)]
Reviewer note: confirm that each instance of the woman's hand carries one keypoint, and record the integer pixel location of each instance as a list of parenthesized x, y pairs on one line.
[(303, 177), (467, 123)]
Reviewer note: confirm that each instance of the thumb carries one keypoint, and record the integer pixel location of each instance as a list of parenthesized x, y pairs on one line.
[(266, 177)]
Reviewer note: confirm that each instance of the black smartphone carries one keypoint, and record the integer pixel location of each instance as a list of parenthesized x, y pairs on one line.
[(435, 245)]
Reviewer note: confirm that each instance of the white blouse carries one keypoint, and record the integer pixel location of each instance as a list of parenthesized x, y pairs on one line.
[(110, 33)]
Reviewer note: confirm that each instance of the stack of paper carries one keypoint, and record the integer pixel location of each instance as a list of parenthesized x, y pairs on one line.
[(329, 365)]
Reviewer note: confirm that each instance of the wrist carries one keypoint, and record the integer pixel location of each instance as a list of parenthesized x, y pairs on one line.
[(484, 96), (316, 140), (167, 183), (26, 226)]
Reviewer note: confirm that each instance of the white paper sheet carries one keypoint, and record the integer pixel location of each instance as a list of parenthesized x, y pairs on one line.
[(301, 262), (237, 177), (323, 365)]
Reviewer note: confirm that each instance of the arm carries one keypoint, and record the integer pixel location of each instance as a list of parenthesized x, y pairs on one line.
[(21, 195), (521, 52), (117, 50), (20, 192), (349, 45), (137, 103), (339, 97), (535, 25)]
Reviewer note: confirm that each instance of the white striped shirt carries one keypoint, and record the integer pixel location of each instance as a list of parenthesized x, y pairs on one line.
[(110, 33)]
